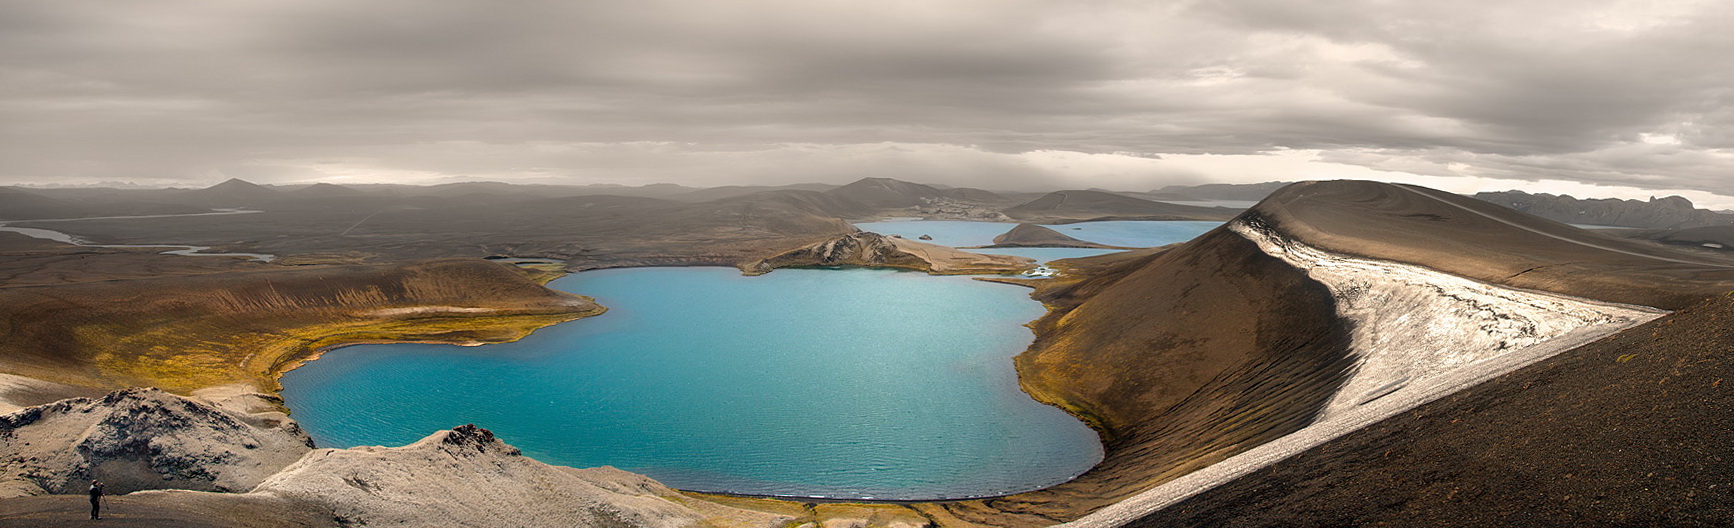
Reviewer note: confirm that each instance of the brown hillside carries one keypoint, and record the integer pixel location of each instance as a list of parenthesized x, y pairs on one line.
[(1476, 239), (1031, 235), (1180, 358), (184, 333), (1633, 430)]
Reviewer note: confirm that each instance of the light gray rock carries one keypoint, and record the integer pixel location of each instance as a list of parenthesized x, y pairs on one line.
[(467, 477), (184, 456), (137, 439)]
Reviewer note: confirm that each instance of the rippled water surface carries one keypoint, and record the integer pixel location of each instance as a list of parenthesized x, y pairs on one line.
[(841, 383)]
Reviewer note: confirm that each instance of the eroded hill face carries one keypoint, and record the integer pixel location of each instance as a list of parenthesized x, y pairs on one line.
[(139, 439)]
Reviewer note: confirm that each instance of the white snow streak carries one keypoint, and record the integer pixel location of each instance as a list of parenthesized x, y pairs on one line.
[(1418, 335)]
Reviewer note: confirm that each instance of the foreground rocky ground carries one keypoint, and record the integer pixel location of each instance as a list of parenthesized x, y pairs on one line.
[(152, 448)]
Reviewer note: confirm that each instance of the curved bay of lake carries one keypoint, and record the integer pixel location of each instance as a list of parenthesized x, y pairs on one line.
[(854, 383)]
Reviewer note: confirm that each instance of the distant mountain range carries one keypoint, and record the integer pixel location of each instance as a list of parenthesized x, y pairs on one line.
[(1672, 212)]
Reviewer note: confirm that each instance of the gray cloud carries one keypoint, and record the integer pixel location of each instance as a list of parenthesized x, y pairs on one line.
[(953, 92)]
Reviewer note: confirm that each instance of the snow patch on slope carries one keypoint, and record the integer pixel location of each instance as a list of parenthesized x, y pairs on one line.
[(1411, 323), (1419, 335)]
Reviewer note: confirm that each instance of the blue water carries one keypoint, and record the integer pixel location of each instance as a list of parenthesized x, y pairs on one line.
[(1045, 255), (838, 383), (1128, 233)]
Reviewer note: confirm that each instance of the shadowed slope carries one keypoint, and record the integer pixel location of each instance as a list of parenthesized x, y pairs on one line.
[(1180, 359), (1632, 430)]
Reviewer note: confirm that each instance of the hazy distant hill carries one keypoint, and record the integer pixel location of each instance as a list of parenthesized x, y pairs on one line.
[(887, 193), (730, 191), (20, 204), (1672, 212), (970, 194), (1061, 206), (810, 202), (16, 204), (233, 192), (325, 190), (1250, 192)]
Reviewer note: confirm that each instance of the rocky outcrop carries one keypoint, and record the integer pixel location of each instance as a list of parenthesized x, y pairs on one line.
[(168, 460), (1032, 235), (136, 439), (1671, 212), (468, 477), (879, 251)]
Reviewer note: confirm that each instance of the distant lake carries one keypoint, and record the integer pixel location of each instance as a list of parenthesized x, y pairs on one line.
[(838, 383), (1130, 233), (851, 383)]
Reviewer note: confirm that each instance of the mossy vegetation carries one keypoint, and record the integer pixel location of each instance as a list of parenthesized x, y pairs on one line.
[(187, 333)]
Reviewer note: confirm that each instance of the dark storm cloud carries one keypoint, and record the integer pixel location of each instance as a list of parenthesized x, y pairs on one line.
[(972, 92)]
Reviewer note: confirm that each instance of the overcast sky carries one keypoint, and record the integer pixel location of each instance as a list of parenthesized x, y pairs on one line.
[(1564, 96)]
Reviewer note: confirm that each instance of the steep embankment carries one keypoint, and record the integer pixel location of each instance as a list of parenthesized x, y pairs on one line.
[(191, 332), (1629, 431), (1078, 206), (1031, 235), (1180, 359), (880, 251)]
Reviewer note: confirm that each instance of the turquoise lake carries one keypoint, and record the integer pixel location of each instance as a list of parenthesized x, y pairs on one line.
[(853, 383)]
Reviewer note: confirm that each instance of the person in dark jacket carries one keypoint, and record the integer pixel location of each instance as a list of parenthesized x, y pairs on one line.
[(95, 499)]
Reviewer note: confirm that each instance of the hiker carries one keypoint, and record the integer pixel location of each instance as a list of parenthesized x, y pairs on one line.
[(95, 499)]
